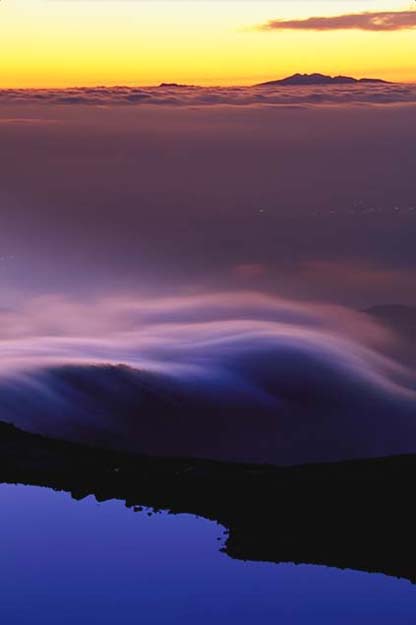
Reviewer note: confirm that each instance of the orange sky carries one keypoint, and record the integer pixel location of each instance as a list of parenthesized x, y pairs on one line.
[(80, 42)]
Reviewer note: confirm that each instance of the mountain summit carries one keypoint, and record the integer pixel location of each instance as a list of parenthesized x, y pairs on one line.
[(317, 79)]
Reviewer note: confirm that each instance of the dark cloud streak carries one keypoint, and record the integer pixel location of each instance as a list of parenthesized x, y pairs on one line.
[(387, 21)]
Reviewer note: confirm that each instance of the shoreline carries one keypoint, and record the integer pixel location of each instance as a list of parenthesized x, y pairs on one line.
[(354, 514)]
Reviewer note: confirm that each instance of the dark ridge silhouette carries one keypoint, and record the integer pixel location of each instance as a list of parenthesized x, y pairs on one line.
[(318, 79), (400, 317), (355, 514), (281, 404), (401, 320)]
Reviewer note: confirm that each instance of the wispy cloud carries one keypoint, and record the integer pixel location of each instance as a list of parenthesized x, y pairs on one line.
[(370, 21), (226, 375)]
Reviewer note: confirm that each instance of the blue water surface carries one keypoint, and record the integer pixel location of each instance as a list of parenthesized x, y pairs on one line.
[(64, 562)]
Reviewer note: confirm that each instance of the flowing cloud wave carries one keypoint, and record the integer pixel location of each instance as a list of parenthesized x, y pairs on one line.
[(369, 21), (238, 376), (193, 96)]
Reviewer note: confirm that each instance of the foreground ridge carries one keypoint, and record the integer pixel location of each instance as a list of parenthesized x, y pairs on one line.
[(355, 514)]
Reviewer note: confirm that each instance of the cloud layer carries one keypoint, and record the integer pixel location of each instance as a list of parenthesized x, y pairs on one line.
[(235, 376), (193, 96), (370, 21)]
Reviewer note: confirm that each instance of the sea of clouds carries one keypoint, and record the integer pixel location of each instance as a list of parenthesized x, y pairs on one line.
[(188, 95)]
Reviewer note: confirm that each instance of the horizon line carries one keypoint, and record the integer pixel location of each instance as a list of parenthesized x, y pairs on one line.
[(196, 85)]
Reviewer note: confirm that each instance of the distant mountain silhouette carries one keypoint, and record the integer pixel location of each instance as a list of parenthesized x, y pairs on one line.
[(317, 79), (176, 85)]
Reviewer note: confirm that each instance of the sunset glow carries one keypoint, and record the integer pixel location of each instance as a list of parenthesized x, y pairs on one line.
[(66, 43)]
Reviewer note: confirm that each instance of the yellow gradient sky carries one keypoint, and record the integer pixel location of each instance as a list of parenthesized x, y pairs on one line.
[(45, 43)]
